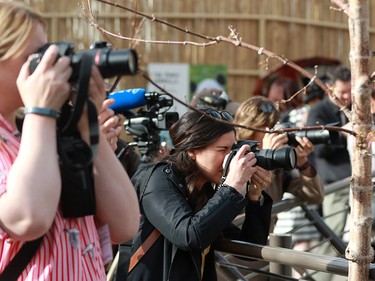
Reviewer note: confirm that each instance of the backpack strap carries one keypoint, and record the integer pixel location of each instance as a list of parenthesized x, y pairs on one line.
[(14, 269)]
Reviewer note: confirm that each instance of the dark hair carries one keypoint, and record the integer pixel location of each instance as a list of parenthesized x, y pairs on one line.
[(288, 87), (191, 132), (341, 73)]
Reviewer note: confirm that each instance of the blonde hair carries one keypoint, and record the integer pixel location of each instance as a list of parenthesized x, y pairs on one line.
[(16, 26), (257, 112)]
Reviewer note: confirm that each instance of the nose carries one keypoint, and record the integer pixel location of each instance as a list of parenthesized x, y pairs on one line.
[(347, 95)]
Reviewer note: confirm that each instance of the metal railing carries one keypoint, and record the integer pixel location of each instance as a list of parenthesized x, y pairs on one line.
[(306, 263)]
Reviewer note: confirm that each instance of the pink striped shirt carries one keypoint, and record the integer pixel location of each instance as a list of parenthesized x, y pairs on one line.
[(70, 249)]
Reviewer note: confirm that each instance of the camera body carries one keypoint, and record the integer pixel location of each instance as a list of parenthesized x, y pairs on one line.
[(314, 136), (109, 62), (145, 125), (271, 159)]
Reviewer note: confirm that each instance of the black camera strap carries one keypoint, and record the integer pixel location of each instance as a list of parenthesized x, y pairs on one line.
[(76, 156), (226, 166), (76, 112), (14, 269)]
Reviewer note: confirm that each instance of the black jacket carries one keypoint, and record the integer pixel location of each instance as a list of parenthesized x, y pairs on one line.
[(185, 234), (331, 160)]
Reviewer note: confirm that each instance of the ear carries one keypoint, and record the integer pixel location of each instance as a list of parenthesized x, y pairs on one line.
[(192, 155)]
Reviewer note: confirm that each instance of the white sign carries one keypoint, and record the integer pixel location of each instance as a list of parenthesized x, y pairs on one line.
[(174, 78)]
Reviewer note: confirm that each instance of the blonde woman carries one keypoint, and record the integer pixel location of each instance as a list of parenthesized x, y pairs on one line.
[(303, 182), (30, 182)]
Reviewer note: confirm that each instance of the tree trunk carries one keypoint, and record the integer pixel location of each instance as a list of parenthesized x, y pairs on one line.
[(359, 251)]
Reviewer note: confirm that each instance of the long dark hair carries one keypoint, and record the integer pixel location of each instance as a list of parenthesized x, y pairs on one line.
[(192, 131)]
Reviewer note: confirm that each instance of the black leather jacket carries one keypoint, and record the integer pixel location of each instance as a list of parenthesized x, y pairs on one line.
[(177, 254)]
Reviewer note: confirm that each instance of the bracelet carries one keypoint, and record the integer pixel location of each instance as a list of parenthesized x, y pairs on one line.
[(42, 111), (304, 166)]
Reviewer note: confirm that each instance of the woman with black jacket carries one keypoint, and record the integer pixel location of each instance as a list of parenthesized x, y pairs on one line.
[(191, 200)]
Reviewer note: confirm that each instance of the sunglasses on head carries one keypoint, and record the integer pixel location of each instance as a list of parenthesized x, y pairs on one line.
[(217, 114), (267, 108)]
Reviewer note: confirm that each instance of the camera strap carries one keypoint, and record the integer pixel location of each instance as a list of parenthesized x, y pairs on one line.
[(76, 111), (75, 155), (14, 269), (226, 165)]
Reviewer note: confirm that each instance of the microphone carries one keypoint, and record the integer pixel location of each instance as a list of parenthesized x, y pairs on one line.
[(128, 99)]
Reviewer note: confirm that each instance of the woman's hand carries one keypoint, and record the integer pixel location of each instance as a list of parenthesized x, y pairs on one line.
[(241, 168), (47, 86), (110, 123), (274, 140), (259, 181), (303, 150)]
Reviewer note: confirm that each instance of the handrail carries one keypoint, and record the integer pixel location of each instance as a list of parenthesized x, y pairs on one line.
[(307, 260), (284, 256)]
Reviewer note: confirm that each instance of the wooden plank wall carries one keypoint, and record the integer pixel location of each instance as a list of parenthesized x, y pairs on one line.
[(293, 28)]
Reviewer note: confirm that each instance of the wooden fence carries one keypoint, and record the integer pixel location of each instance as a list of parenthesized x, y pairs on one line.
[(294, 29)]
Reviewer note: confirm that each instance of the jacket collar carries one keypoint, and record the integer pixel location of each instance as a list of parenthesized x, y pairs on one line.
[(176, 178)]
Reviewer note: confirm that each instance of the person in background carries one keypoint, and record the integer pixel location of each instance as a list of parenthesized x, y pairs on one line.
[(112, 126), (280, 92), (303, 182), (333, 160), (191, 199), (30, 183), (210, 93)]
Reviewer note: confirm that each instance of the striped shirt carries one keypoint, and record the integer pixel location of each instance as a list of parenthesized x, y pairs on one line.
[(70, 250)]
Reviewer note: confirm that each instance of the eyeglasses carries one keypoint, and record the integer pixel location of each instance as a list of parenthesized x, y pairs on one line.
[(217, 114), (267, 108)]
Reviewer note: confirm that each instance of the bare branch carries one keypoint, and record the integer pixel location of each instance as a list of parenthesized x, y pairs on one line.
[(278, 131), (342, 5)]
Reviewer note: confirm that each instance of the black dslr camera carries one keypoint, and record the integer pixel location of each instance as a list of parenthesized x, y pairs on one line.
[(314, 136), (110, 62), (271, 159), (76, 156)]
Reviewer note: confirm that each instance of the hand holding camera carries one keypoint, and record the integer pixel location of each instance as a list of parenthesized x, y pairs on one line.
[(241, 168), (50, 78)]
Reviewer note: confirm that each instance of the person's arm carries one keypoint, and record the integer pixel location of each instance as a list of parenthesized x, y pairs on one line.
[(116, 200), (256, 226), (28, 207), (168, 210)]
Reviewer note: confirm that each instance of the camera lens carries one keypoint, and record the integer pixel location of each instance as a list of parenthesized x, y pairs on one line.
[(116, 62), (272, 159), (315, 136)]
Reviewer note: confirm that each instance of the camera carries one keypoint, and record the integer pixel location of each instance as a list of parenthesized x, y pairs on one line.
[(145, 125), (109, 62), (271, 159), (314, 136), (75, 156)]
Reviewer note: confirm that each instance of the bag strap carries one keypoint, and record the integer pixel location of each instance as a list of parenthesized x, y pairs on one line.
[(127, 261), (142, 250), (14, 269)]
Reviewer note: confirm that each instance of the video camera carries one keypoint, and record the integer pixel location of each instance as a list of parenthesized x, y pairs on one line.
[(314, 136), (270, 159), (145, 125)]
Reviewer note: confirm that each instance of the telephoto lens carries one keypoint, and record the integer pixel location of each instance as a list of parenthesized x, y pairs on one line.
[(271, 159)]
